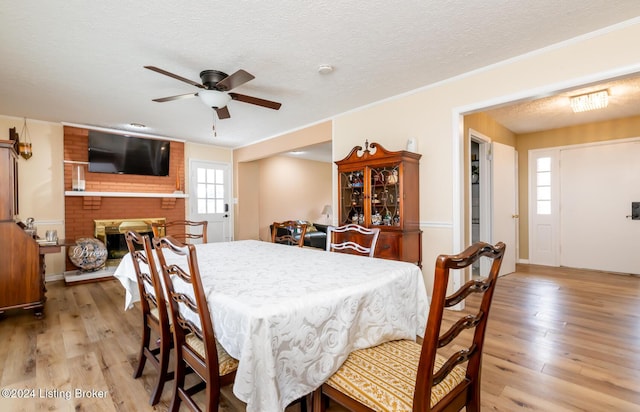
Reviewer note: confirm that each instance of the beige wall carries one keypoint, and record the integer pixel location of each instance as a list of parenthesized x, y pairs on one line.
[(430, 115), (247, 216), (292, 189), (41, 180), (209, 153), (249, 186), (587, 133)]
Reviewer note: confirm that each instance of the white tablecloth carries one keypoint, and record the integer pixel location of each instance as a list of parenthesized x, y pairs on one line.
[(291, 315)]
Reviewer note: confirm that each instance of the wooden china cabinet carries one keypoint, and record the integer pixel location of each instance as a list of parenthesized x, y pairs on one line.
[(21, 258), (379, 188)]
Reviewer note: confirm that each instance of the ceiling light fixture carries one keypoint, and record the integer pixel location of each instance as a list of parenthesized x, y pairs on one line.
[(590, 101), (214, 98)]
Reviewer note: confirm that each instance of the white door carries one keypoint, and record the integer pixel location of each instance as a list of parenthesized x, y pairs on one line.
[(598, 185), (504, 195), (209, 198)]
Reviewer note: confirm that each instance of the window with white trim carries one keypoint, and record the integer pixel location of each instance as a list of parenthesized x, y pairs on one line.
[(543, 185)]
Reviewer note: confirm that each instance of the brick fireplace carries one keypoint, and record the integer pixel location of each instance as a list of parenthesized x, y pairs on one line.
[(115, 196)]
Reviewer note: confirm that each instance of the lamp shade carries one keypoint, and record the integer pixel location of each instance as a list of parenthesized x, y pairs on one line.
[(326, 210), (214, 98)]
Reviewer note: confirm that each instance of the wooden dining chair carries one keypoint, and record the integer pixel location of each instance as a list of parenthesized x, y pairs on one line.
[(183, 230), (290, 232), (404, 375), (154, 313), (196, 346), (353, 239)]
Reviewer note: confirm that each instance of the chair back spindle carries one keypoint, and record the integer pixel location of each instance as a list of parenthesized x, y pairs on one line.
[(290, 232), (186, 231), (353, 239)]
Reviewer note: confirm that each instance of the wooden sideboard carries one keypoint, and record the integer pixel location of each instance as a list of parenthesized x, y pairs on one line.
[(22, 271), (22, 265)]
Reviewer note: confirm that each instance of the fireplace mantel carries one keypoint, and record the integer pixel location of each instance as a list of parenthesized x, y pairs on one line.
[(124, 194)]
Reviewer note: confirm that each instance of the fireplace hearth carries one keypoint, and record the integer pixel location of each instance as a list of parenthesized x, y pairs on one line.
[(111, 232)]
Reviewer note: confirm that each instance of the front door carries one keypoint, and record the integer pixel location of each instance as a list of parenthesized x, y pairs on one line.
[(598, 185), (210, 197)]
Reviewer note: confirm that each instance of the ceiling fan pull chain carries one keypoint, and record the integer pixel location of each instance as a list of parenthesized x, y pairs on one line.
[(213, 127)]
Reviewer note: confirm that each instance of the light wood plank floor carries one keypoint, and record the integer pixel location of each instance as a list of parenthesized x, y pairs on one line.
[(557, 340)]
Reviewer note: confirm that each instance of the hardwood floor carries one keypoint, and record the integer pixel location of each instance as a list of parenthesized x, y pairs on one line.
[(557, 340)]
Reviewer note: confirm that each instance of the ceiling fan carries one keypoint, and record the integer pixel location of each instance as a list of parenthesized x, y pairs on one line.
[(215, 92)]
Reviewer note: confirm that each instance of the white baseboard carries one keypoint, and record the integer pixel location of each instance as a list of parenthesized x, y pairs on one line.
[(80, 276), (52, 277)]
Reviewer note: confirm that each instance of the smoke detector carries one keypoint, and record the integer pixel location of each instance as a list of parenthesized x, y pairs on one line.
[(325, 69)]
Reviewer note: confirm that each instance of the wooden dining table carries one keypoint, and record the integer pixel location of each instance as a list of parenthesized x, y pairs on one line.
[(292, 315)]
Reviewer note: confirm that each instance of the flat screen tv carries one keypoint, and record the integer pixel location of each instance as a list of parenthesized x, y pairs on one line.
[(113, 153)]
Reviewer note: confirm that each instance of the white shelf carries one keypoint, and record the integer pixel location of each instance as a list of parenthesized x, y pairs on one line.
[(124, 194)]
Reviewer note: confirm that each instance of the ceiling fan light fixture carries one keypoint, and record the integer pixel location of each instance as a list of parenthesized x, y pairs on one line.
[(590, 101), (214, 98)]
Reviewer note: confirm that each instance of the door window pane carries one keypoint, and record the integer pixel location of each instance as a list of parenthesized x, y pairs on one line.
[(543, 185), (210, 190)]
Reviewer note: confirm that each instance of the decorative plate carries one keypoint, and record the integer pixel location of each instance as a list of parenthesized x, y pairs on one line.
[(88, 254)]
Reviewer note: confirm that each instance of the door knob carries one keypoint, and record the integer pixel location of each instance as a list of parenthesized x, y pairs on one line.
[(515, 216)]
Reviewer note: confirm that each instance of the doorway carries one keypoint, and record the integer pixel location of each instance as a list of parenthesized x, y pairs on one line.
[(210, 189), (492, 198)]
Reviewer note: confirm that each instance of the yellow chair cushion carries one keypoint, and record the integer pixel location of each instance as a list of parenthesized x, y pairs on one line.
[(226, 364), (155, 312), (384, 377)]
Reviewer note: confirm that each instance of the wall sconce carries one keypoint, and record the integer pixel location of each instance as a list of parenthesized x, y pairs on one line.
[(590, 101), (24, 148)]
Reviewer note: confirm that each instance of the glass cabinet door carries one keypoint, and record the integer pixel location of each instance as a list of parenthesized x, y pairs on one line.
[(385, 196), (352, 197)]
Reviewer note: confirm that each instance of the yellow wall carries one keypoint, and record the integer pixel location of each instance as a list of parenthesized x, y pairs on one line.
[(587, 133), (41, 180)]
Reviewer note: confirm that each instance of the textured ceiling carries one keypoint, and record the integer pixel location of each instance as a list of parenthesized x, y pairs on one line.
[(555, 111), (82, 62)]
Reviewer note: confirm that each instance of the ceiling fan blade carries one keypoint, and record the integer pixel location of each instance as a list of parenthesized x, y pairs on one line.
[(236, 79), (223, 112), (178, 97), (175, 76), (255, 100)]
